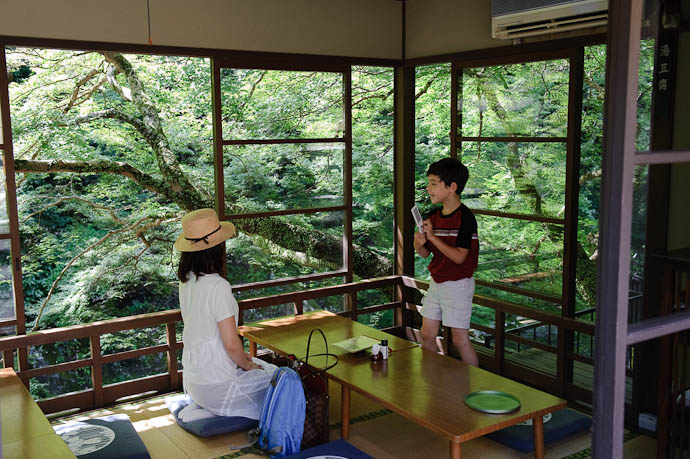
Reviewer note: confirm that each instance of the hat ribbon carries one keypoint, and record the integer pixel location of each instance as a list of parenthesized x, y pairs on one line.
[(202, 238)]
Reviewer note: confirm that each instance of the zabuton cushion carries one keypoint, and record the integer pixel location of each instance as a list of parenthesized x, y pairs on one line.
[(561, 424), (106, 437), (338, 449), (207, 427)]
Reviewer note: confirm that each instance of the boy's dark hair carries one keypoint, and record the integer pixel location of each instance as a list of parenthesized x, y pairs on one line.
[(209, 261), (450, 170)]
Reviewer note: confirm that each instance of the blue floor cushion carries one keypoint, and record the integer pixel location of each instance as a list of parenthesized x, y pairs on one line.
[(99, 438), (207, 427), (559, 425), (338, 449)]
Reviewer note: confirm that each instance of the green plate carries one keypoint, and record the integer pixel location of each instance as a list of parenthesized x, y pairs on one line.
[(492, 401)]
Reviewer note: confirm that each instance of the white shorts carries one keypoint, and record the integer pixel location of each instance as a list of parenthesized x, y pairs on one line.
[(450, 302)]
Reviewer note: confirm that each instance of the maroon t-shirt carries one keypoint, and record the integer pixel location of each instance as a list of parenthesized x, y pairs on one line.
[(459, 229)]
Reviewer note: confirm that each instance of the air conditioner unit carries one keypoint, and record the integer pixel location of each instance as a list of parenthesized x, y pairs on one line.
[(526, 18)]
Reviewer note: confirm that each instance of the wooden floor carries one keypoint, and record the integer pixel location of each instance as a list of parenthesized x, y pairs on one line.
[(545, 362), (374, 430)]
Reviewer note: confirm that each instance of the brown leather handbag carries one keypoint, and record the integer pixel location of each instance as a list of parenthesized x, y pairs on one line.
[(316, 427)]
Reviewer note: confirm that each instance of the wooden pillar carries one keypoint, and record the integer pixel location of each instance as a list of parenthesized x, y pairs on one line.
[(404, 159), (564, 370), (614, 236)]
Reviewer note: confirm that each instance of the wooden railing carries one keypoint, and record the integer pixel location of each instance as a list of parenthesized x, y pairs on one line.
[(101, 394), (497, 362)]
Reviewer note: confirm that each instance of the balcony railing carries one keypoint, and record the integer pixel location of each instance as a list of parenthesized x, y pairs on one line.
[(100, 394)]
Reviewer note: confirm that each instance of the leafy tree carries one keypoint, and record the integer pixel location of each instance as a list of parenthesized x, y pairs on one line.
[(123, 143)]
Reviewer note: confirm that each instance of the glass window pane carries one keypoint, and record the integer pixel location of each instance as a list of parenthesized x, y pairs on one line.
[(645, 90), (432, 121), (271, 104), (6, 291), (432, 142), (372, 159), (529, 99), (4, 221), (260, 178), (254, 258), (521, 254), (2, 50), (525, 178), (97, 245), (590, 178)]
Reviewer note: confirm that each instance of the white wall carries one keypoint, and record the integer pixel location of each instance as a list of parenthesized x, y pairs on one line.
[(448, 26), (361, 28)]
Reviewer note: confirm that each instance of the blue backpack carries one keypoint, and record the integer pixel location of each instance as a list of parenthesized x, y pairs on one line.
[(282, 418)]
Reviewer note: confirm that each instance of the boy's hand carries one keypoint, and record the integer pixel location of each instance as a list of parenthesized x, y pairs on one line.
[(419, 240), (428, 230)]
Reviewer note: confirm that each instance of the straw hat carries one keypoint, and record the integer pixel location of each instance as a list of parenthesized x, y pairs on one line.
[(201, 230)]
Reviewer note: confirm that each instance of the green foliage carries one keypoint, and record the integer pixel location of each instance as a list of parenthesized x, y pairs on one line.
[(79, 260)]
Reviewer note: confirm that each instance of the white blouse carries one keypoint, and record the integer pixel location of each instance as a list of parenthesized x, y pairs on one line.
[(211, 378)]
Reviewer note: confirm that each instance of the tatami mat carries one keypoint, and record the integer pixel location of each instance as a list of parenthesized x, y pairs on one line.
[(374, 430)]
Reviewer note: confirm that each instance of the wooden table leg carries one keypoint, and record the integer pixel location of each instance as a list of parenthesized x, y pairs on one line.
[(345, 410), (538, 430), (252, 348), (455, 450)]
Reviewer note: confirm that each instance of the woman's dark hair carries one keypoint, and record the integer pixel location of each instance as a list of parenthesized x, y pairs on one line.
[(209, 261)]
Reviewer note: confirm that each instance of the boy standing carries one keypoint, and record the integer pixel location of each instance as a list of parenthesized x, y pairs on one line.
[(450, 233)]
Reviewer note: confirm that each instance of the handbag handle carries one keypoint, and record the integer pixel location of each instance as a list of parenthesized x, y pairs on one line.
[(327, 354)]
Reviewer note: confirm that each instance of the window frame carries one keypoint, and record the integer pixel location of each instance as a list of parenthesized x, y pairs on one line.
[(565, 356), (346, 271)]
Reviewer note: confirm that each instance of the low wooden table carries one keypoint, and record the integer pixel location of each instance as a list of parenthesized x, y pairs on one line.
[(422, 386), (288, 335), (26, 432), (430, 389)]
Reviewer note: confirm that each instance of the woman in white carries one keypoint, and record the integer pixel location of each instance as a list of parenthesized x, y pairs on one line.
[(218, 375)]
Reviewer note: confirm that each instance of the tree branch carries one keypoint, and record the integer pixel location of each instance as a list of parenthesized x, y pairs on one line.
[(373, 96), (111, 113), (77, 88), (425, 88), (155, 136), (125, 93), (73, 198), (108, 235), (254, 85), (64, 270), (94, 167)]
